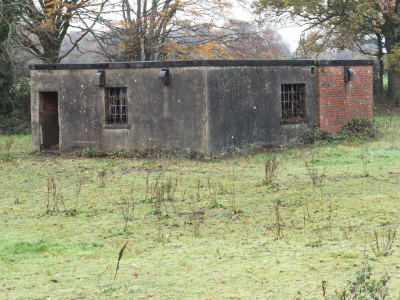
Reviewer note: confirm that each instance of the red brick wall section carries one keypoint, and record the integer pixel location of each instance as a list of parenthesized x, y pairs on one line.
[(338, 101)]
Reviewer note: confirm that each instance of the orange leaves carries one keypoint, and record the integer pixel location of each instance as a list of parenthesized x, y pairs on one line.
[(162, 34), (207, 50), (266, 54), (388, 7), (47, 25)]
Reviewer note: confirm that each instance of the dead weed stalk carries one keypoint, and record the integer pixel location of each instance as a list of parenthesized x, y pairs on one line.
[(128, 208), (381, 243), (147, 185), (102, 177), (51, 190), (79, 180), (170, 188), (315, 173), (154, 189), (330, 220), (233, 198), (197, 211), (278, 220), (5, 149), (366, 160), (121, 252), (158, 210), (272, 167)]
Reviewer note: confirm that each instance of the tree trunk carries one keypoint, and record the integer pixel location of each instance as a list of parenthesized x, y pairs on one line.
[(394, 84), (381, 73), (389, 32), (381, 65)]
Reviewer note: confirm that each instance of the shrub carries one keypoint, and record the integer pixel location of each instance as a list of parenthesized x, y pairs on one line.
[(360, 128), (14, 123), (89, 152), (365, 287), (311, 136), (356, 128)]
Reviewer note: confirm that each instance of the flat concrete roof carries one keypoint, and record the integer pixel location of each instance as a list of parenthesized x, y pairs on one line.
[(201, 63)]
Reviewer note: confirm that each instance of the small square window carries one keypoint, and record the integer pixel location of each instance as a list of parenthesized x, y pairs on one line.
[(293, 100), (117, 106)]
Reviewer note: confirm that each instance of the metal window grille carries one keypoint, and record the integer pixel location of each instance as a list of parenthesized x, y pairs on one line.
[(293, 101), (117, 106)]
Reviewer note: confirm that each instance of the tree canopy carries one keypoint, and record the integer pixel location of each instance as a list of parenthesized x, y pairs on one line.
[(342, 24), (40, 27), (8, 10), (182, 29)]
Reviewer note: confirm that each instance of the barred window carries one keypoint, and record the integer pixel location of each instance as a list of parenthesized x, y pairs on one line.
[(117, 106), (293, 101)]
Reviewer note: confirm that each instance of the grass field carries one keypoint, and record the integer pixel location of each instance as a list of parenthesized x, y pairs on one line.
[(199, 230)]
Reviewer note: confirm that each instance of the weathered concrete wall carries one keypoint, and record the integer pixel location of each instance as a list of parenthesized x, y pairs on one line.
[(245, 105), (79, 120), (159, 116), (209, 106)]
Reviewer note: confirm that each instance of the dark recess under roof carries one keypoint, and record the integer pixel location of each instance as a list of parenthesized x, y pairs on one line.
[(201, 63)]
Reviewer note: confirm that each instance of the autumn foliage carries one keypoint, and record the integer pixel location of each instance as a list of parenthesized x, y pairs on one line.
[(182, 30), (368, 26)]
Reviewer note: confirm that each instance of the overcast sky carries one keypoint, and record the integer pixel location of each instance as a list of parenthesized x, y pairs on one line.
[(290, 35)]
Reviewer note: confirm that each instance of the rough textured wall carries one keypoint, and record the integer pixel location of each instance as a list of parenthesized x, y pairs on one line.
[(338, 101), (209, 106), (245, 105), (159, 116), (79, 121), (206, 109)]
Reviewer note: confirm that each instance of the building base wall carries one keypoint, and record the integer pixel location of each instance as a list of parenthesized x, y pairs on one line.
[(208, 106)]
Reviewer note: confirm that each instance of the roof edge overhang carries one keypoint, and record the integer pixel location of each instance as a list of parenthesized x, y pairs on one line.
[(202, 63)]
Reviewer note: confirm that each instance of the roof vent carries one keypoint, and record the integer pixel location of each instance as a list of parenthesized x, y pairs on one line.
[(164, 76), (348, 74), (100, 78)]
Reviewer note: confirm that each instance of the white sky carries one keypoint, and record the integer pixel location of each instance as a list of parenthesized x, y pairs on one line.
[(290, 35)]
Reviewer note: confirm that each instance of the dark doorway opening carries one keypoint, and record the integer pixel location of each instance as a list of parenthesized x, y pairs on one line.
[(48, 114)]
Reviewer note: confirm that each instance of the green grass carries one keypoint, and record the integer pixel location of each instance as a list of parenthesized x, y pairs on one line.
[(231, 256), (24, 247)]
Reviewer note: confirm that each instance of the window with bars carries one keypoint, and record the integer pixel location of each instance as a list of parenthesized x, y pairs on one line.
[(117, 106), (293, 99)]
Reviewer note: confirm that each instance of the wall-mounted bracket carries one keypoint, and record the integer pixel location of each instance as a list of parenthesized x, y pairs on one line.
[(348, 74), (164, 76), (100, 78)]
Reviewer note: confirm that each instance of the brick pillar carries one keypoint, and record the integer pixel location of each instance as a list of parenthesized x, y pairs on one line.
[(338, 101)]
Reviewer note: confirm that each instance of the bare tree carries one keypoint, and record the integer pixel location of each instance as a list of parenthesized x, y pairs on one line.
[(247, 40), (41, 26), (172, 29)]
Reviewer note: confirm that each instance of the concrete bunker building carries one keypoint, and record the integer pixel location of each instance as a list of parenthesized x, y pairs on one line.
[(205, 106)]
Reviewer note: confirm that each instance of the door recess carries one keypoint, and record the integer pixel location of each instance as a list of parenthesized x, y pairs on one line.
[(48, 115)]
